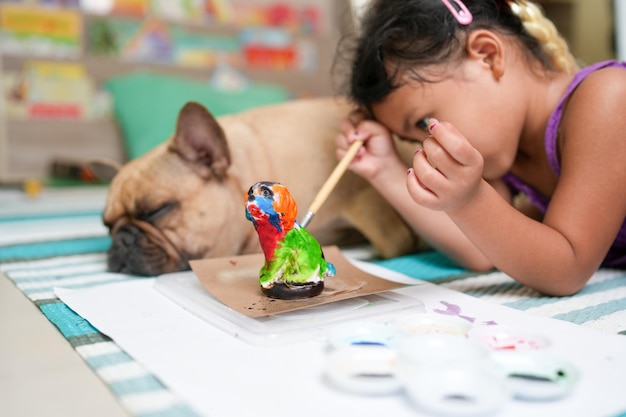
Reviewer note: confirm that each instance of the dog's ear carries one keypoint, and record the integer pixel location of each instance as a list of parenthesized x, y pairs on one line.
[(199, 139)]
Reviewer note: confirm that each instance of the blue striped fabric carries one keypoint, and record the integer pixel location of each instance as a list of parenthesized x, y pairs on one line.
[(37, 250), (600, 304), (59, 240), (45, 244)]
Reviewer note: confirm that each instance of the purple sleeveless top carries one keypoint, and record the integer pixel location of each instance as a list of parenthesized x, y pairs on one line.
[(616, 257)]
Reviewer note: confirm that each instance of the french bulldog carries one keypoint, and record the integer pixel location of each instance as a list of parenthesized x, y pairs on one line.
[(185, 199)]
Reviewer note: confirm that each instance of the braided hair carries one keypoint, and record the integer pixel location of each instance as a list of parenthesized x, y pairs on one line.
[(541, 28), (402, 36)]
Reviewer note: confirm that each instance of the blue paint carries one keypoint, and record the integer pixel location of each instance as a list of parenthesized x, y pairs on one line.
[(266, 205), (367, 343)]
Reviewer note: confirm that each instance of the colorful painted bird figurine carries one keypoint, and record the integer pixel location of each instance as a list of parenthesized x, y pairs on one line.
[(295, 266)]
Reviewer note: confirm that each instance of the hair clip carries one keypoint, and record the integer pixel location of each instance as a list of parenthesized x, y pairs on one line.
[(459, 11)]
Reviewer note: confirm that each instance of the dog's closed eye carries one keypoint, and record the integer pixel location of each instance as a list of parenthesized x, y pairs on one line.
[(162, 210)]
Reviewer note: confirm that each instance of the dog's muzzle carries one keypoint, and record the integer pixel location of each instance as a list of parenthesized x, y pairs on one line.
[(138, 248)]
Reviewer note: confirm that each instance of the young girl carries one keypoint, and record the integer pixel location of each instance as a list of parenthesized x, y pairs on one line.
[(493, 95)]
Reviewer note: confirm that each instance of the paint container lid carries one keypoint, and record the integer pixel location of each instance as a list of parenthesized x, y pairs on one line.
[(363, 333), (457, 391), (360, 369), (435, 349), (430, 323), (537, 375), (499, 337), (451, 375)]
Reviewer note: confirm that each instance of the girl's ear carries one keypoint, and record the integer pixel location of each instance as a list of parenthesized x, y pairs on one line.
[(487, 47)]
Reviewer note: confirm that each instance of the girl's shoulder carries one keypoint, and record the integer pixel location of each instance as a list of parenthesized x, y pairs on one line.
[(603, 84), (601, 93), (592, 125)]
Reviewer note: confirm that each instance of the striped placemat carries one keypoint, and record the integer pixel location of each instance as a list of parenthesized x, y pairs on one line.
[(601, 304), (58, 240)]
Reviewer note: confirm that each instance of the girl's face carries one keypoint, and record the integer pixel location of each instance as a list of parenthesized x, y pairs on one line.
[(479, 106)]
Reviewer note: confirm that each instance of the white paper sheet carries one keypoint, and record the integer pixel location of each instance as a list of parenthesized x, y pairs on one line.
[(219, 375)]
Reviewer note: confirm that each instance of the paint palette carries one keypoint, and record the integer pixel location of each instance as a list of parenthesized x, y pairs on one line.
[(431, 323), (363, 333), (458, 391), (364, 369), (537, 375), (446, 368), (498, 337)]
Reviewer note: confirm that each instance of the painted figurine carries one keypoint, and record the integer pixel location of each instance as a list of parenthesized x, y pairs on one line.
[(295, 266)]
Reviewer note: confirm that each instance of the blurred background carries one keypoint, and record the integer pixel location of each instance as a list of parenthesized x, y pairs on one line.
[(90, 79)]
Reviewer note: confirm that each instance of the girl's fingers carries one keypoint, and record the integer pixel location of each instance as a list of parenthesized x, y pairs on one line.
[(419, 192), (438, 157), (368, 128), (453, 142), (428, 175), (347, 128), (355, 131)]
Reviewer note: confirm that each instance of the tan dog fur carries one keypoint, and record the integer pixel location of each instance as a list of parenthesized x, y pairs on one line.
[(185, 199)]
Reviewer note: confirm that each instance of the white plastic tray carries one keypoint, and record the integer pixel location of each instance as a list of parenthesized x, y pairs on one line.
[(184, 289)]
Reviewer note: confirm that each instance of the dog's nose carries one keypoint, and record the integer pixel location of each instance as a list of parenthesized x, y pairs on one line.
[(124, 242), (124, 255), (127, 236), (136, 252)]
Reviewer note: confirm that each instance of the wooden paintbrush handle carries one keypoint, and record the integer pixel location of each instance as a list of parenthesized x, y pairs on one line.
[(334, 178)]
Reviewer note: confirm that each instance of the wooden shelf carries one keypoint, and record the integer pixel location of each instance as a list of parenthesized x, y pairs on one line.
[(35, 144), (28, 147)]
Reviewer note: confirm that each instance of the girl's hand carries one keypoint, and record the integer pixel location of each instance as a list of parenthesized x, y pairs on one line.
[(378, 148), (447, 173)]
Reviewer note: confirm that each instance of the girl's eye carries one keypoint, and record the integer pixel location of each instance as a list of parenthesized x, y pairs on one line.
[(422, 124)]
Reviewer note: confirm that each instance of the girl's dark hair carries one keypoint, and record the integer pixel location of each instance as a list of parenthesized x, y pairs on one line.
[(402, 36)]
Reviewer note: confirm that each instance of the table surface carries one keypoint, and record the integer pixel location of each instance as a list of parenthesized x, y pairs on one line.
[(40, 373)]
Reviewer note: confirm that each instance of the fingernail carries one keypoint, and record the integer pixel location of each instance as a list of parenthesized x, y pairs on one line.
[(432, 123)]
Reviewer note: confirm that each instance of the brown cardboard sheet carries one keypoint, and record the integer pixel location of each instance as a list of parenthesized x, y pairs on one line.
[(234, 281)]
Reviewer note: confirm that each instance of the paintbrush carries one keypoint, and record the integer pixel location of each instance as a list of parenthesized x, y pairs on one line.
[(331, 182)]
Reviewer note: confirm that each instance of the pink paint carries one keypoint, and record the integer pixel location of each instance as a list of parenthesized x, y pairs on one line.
[(510, 342), (505, 338)]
